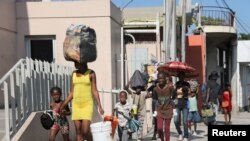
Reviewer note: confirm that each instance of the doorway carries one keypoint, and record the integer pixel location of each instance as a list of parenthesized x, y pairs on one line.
[(41, 48), (244, 91)]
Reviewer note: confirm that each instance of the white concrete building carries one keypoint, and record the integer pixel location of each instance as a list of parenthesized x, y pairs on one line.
[(243, 72)]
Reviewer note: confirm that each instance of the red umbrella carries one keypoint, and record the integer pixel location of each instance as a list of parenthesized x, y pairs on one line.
[(174, 67)]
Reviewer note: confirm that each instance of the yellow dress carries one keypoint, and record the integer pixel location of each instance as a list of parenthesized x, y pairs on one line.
[(82, 103)]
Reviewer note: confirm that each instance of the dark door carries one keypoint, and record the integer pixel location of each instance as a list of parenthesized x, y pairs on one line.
[(42, 50)]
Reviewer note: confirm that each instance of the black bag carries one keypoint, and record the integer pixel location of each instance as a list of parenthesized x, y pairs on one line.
[(47, 120), (138, 80), (80, 44), (209, 120)]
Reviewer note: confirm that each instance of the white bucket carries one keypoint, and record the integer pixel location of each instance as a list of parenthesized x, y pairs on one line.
[(101, 131)]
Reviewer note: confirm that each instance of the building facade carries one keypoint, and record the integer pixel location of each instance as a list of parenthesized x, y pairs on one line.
[(37, 29)]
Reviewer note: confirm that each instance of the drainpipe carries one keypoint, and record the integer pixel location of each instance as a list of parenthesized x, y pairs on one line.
[(140, 31), (158, 39), (164, 33), (122, 58), (167, 29), (183, 32), (133, 38), (173, 37), (199, 15), (141, 23)]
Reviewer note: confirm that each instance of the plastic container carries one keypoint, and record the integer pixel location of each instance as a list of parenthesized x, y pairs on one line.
[(101, 131), (134, 107)]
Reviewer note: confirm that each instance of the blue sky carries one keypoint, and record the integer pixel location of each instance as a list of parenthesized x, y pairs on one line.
[(241, 7)]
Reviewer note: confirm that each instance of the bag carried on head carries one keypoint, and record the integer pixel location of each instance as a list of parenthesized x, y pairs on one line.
[(47, 120), (138, 80), (80, 44), (194, 85)]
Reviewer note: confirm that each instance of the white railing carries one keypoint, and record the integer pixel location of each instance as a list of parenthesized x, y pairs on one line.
[(26, 89)]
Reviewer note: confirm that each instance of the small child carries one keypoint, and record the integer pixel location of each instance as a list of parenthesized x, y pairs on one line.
[(61, 122), (226, 103), (193, 115), (122, 108)]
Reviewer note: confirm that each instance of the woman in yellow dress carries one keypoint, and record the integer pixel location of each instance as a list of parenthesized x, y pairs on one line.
[(83, 90)]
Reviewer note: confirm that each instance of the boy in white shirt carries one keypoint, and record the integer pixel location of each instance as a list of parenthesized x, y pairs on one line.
[(122, 108)]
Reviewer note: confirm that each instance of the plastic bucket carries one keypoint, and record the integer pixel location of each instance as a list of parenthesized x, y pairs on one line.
[(101, 131)]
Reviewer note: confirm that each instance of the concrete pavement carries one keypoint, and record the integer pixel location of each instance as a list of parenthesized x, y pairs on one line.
[(242, 118), (237, 118)]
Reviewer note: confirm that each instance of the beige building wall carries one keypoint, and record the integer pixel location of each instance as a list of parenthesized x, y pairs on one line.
[(7, 35), (53, 18), (116, 46), (7, 39)]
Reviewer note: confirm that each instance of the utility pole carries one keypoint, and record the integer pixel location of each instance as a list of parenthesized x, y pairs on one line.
[(122, 57), (166, 24), (158, 38), (183, 32), (173, 36), (168, 28)]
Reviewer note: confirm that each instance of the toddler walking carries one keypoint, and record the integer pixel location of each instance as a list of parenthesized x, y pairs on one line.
[(60, 120)]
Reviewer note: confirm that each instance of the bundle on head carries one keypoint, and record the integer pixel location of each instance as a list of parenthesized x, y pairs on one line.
[(138, 80), (80, 44), (213, 76)]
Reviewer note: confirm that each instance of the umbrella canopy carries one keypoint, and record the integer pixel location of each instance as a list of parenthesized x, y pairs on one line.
[(192, 75), (175, 67)]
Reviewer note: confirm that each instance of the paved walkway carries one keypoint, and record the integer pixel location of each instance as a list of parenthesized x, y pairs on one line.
[(2, 124), (239, 118)]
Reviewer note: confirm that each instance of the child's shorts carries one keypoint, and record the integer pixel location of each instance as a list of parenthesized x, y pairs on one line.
[(194, 116), (62, 125)]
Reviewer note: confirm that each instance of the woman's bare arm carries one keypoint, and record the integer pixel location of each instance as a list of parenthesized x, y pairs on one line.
[(95, 92), (70, 96)]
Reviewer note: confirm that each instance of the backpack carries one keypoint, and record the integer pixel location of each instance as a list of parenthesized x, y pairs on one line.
[(47, 120), (194, 85), (80, 44)]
